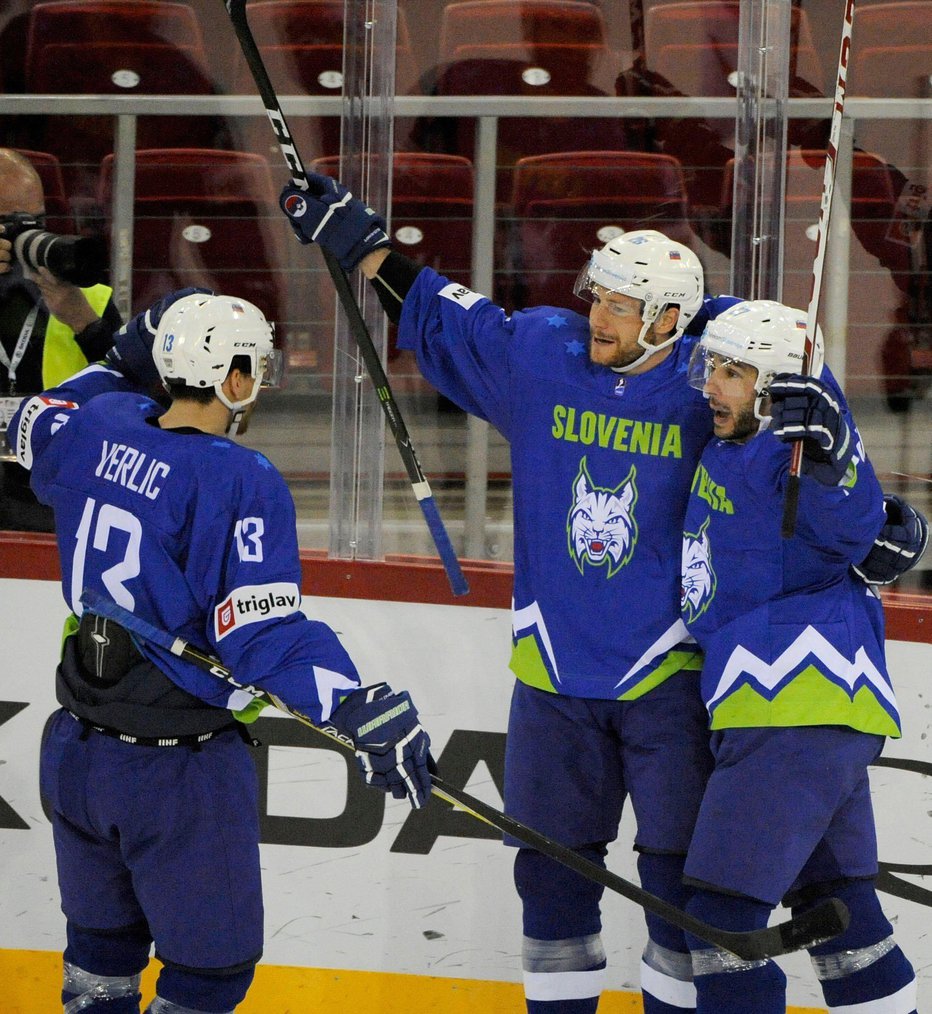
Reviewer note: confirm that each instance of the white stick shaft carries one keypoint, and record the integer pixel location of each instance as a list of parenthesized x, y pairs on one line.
[(828, 181)]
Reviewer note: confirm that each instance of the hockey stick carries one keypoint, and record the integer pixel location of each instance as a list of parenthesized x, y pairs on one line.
[(816, 926), (791, 503), (237, 12)]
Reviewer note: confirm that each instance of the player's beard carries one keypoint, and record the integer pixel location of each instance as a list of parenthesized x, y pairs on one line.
[(613, 356), (744, 425)]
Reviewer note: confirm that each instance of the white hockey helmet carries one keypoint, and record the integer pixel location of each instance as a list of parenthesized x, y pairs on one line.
[(762, 333), (200, 335), (648, 266)]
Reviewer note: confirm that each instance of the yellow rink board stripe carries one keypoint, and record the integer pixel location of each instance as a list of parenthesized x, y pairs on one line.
[(30, 982)]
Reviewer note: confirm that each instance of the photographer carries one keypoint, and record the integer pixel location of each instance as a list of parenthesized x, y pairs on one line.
[(49, 327)]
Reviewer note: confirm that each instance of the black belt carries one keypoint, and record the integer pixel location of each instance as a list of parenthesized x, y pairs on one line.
[(193, 740)]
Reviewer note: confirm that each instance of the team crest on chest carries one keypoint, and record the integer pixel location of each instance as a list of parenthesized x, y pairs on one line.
[(601, 528), (698, 578)]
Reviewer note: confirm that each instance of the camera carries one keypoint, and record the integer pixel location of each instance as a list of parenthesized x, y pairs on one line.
[(81, 260)]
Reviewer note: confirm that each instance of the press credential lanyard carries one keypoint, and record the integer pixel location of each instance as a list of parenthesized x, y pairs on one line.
[(21, 344)]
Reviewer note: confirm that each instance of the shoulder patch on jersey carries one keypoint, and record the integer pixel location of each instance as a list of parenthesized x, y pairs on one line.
[(460, 295), (254, 603), (34, 408)]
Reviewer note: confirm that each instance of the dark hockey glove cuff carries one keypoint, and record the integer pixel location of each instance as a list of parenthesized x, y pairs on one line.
[(803, 408), (328, 214), (899, 546)]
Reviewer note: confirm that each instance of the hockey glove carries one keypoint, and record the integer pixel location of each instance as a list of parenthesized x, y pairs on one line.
[(329, 215), (804, 408), (898, 547), (132, 344), (391, 747)]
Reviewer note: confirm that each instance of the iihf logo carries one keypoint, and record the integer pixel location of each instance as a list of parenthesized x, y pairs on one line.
[(698, 578), (295, 205)]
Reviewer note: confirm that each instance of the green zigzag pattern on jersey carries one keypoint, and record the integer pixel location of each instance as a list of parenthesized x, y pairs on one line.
[(528, 665), (809, 699)]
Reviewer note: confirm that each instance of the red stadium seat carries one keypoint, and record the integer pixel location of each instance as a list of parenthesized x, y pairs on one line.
[(206, 218), (431, 215), (900, 23), (113, 48), (710, 68), (691, 49), (480, 22), (301, 43), (891, 57), (538, 48), (878, 262), (895, 72), (715, 23), (431, 209), (567, 204), (163, 21)]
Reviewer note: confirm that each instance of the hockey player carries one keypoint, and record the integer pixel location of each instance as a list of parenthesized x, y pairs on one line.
[(150, 783), (605, 435), (794, 677)]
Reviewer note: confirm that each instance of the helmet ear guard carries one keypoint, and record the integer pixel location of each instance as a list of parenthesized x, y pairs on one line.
[(646, 265), (761, 333)]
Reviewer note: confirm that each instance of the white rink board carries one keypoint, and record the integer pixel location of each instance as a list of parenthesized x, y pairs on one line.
[(450, 912)]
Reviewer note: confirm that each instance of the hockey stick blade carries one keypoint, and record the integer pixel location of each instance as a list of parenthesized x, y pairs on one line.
[(236, 9), (813, 927), (816, 926)]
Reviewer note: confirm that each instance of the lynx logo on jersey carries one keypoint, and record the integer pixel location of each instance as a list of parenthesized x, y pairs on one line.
[(601, 526), (698, 578), (253, 603)]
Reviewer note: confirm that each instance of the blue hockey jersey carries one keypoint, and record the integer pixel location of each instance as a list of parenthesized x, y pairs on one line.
[(190, 531), (601, 465), (790, 636)]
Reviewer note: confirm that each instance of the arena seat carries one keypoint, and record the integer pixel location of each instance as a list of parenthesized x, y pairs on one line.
[(567, 204), (878, 264), (538, 48), (301, 43), (109, 47), (712, 22), (898, 23), (206, 218), (895, 71), (431, 222), (691, 49)]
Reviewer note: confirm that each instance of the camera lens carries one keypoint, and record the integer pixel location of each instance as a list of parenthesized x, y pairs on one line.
[(81, 260)]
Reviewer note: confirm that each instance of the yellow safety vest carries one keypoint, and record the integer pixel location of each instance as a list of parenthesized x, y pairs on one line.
[(62, 356)]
